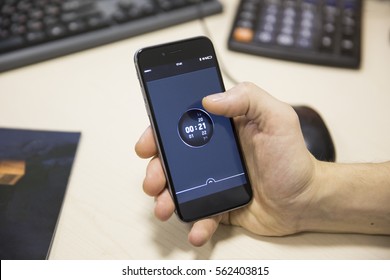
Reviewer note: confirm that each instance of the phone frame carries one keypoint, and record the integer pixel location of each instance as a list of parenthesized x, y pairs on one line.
[(168, 53)]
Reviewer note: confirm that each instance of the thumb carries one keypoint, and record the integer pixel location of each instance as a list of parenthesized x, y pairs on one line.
[(245, 99)]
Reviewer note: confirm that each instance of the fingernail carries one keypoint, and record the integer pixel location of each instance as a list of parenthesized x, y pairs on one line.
[(216, 97)]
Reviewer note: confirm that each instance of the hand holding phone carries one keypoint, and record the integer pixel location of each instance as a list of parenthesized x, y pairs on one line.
[(199, 151)]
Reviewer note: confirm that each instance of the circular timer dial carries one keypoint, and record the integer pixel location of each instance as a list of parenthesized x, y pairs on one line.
[(195, 128)]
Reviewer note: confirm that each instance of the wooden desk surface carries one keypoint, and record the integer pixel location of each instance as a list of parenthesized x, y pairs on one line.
[(106, 215)]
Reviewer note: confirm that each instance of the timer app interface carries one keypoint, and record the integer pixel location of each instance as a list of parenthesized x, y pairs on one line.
[(200, 150)]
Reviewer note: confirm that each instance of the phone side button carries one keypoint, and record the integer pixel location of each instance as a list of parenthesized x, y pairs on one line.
[(147, 110)]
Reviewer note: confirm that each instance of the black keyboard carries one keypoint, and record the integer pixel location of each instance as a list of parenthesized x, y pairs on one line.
[(36, 30), (324, 32)]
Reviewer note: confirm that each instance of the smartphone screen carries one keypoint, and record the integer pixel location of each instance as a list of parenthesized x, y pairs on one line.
[(200, 152)]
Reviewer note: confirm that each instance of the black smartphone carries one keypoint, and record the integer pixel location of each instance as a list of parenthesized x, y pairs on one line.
[(200, 152)]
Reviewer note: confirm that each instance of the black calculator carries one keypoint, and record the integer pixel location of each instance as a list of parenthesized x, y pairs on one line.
[(323, 32)]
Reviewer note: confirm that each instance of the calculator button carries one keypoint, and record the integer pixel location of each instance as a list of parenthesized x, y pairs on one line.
[(288, 21), (329, 27), (305, 33), (270, 19), (307, 23), (348, 31), (245, 24), (285, 40), (265, 37), (242, 34), (247, 15), (290, 12), (306, 14), (272, 9), (348, 21), (288, 30), (347, 46), (268, 27), (304, 43), (326, 43)]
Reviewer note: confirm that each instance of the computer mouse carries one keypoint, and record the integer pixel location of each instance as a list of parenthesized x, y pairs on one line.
[(317, 137)]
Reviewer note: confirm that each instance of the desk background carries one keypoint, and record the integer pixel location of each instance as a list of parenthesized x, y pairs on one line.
[(106, 215)]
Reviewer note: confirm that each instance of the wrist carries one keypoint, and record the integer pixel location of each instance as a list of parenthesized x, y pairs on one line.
[(349, 198), (316, 212)]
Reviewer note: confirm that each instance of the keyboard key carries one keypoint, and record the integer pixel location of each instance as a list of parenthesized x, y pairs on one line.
[(57, 30), (76, 26)]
